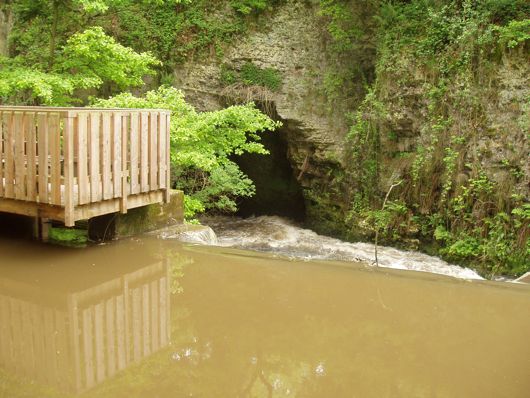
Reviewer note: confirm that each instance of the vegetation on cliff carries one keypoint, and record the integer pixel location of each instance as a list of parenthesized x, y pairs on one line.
[(446, 74)]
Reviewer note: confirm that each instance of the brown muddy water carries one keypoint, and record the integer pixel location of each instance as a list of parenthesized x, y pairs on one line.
[(158, 319)]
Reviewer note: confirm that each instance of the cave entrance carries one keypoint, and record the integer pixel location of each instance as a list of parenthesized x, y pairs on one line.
[(277, 189)]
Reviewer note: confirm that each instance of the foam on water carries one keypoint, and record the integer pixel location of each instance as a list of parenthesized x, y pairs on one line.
[(281, 236)]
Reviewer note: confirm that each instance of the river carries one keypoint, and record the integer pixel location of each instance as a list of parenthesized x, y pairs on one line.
[(155, 318)]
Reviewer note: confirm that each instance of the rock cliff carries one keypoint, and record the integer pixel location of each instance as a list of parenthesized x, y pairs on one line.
[(293, 43)]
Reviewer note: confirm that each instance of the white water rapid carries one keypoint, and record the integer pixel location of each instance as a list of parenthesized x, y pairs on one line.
[(280, 236)]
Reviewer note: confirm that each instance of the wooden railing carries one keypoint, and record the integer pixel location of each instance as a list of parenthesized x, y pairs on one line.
[(76, 163)]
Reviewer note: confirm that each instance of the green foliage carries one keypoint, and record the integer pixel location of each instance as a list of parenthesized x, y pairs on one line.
[(174, 34), (503, 11), (252, 75), (515, 33), (203, 146), (365, 145), (94, 54), (93, 6), (69, 236), (393, 221), (26, 86), (342, 24), (267, 77), (88, 60), (248, 6)]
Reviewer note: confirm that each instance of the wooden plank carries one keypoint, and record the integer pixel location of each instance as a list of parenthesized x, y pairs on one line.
[(31, 209), (121, 333), (24, 108), (88, 350), (99, 342), (2, 156), (110, 333), (9, 148), (64, 110), (116, 154), (154, 160), (106, 156), (20, 157), (69, 200), (114, 205), (162, 151), (155, 317), (95, 185), (146, 324), (168, 159), (82, 159), (31, 134), (54, 132), (144, 151), (134, 145), (125, 190), (43, 148)]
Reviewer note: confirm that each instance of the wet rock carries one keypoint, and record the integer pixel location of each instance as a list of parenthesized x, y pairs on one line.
[(189, 233)]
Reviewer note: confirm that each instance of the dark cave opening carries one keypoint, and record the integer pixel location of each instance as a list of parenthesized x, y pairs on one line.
[(277, 189)]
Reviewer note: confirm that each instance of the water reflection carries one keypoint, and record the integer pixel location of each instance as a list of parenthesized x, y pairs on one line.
[(153, 319), (75, 337)]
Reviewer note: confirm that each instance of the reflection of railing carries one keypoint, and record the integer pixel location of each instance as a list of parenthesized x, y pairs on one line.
[(70, 164), (91, 334)]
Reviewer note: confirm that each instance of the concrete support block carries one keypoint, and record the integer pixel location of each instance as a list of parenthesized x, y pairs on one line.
[(140, 220)]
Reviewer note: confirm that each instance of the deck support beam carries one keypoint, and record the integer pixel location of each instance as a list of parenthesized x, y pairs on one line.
[(83, 212)]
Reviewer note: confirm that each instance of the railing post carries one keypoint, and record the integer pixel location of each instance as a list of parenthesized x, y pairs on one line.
[(69, 219), (168, 157), (125, 122)]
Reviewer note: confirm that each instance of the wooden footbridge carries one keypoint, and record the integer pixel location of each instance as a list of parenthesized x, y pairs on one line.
[(70, 164)]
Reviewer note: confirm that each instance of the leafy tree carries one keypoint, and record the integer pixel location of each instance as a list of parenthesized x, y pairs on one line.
[(203, 146), (87, 61), (95, 55)]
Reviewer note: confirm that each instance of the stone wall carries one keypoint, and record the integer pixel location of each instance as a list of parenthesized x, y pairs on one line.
[(140, 220)]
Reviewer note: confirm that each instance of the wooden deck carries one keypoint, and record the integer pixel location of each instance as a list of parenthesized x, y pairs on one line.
[(69, 164)]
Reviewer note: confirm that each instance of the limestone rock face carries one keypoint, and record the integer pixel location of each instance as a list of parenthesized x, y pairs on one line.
[(293, 43), (497, 142)]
